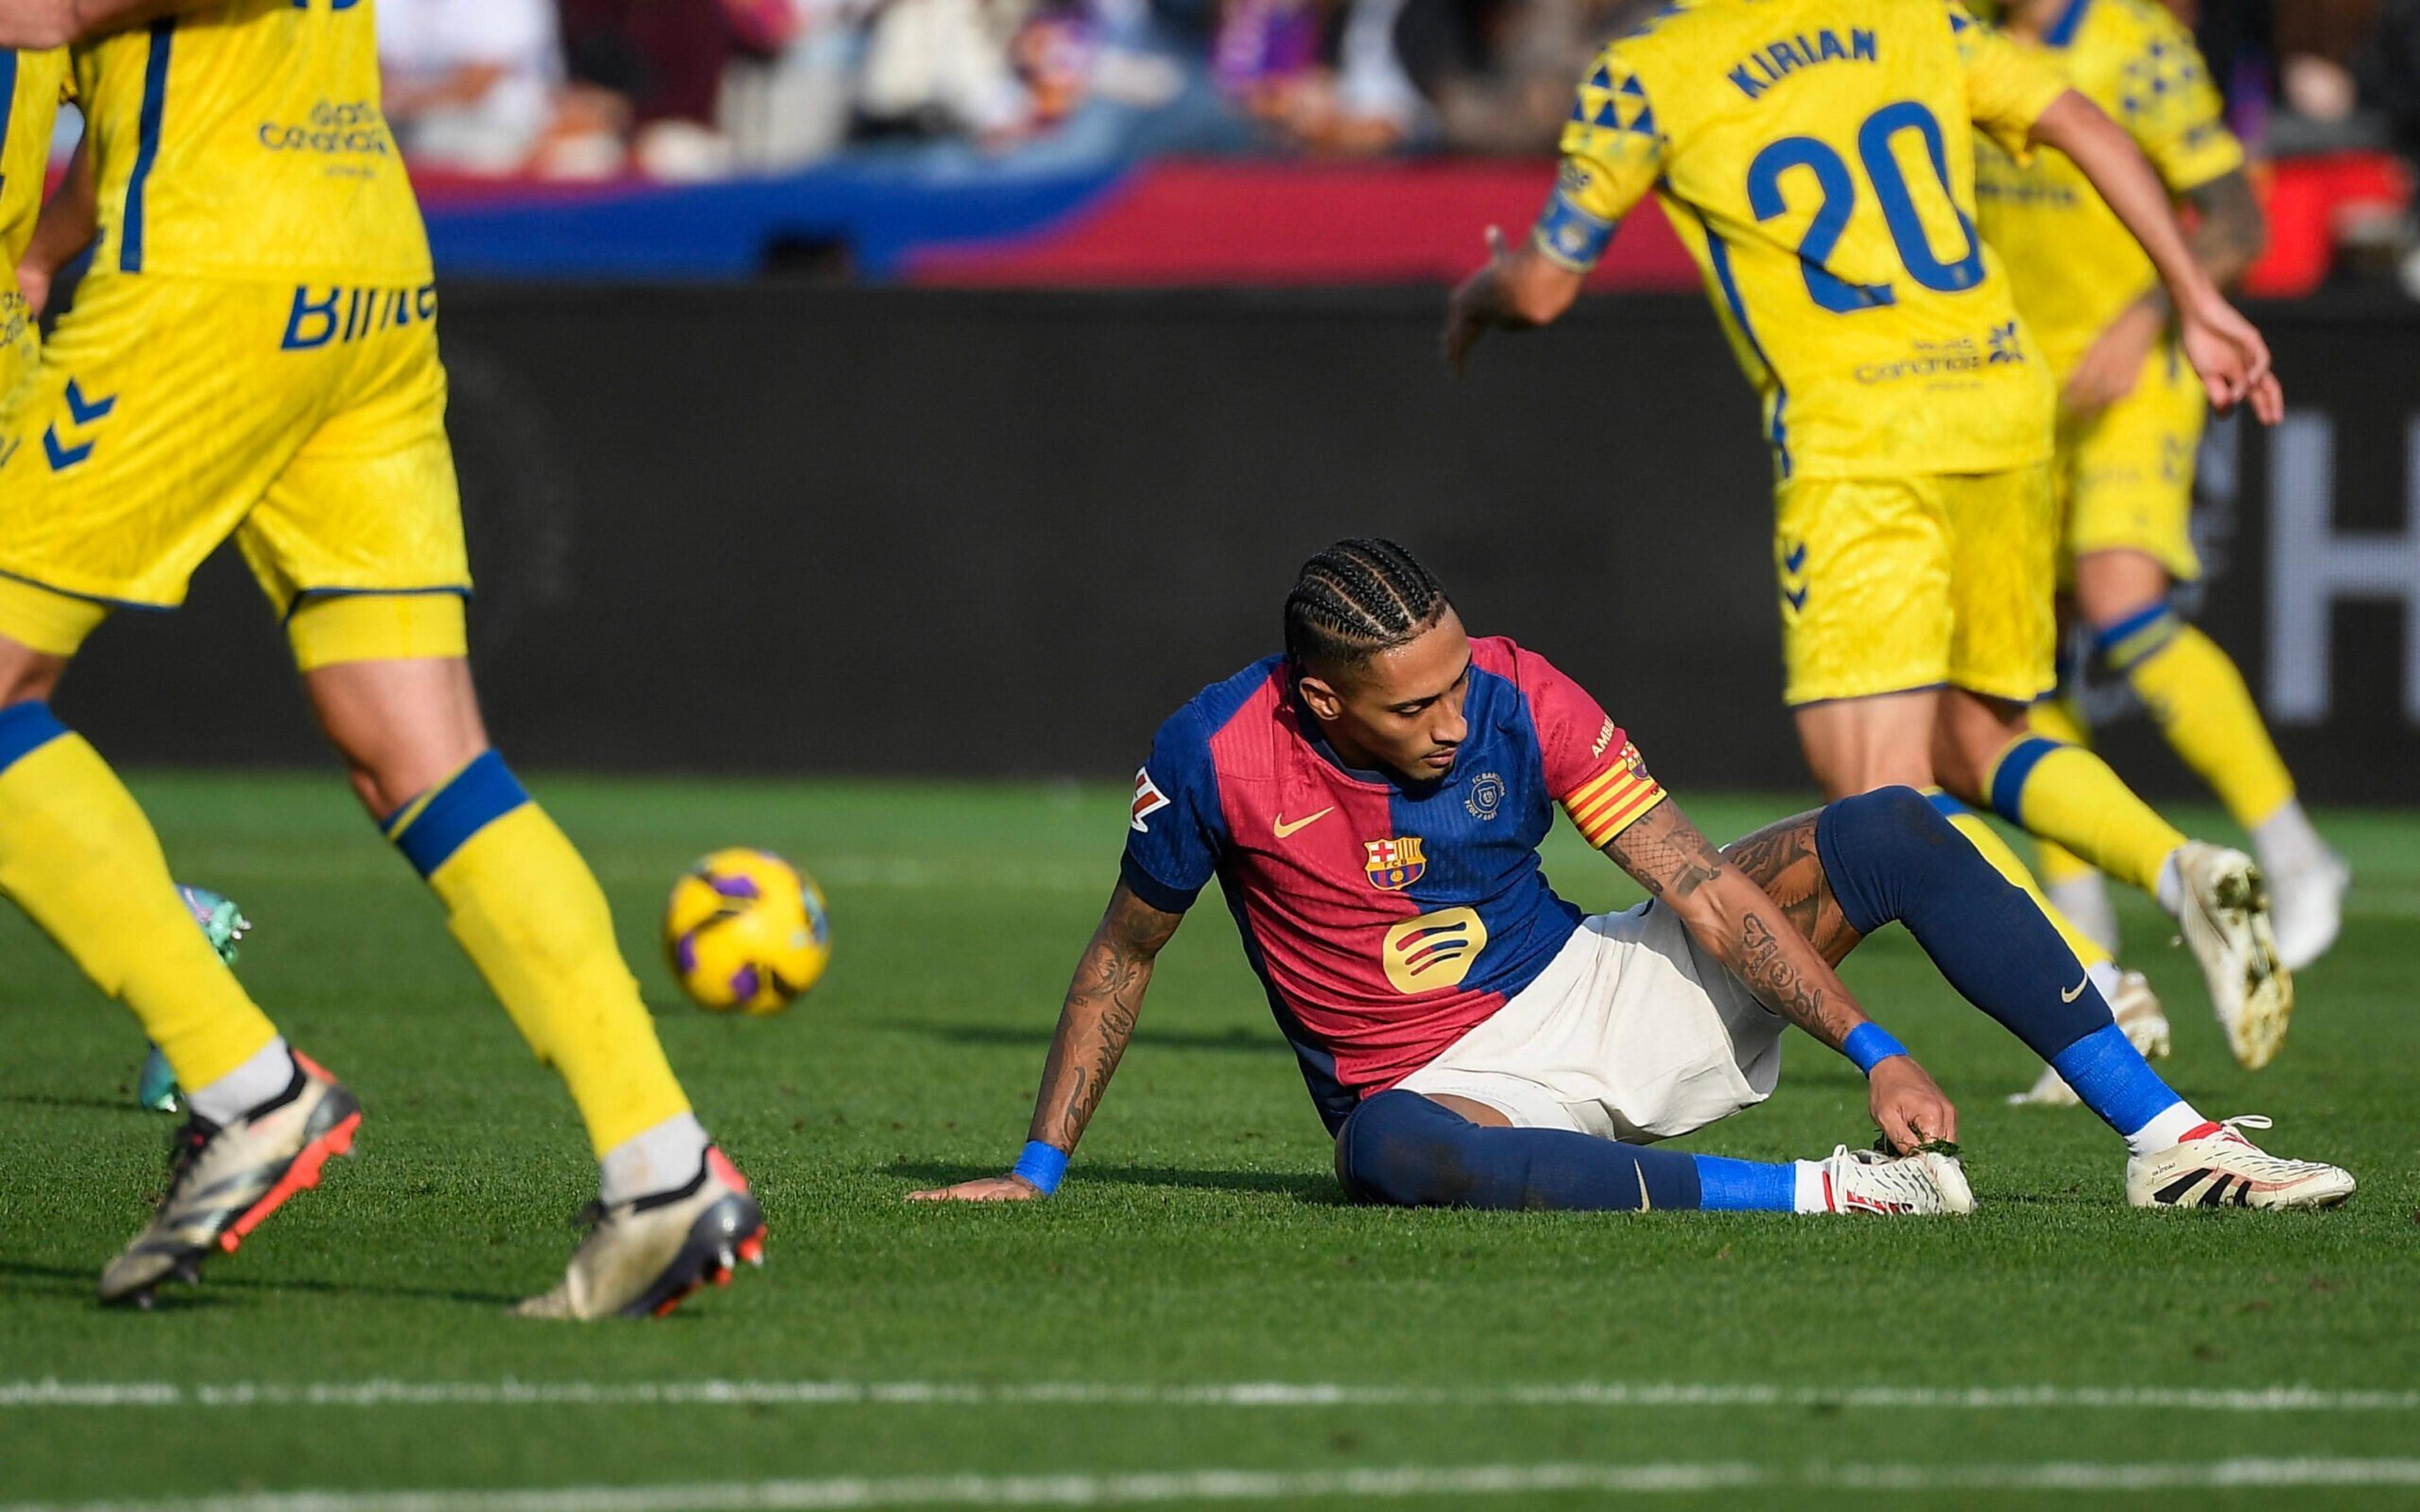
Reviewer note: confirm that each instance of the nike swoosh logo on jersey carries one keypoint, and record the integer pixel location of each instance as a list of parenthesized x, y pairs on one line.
[(1284, 829), (2072, 994)]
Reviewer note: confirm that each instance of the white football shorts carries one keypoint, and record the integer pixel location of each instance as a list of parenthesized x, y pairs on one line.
[(1631, 1033)]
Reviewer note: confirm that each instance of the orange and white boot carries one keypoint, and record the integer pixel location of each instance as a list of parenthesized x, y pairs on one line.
[(641, 1258), (225, 1178)]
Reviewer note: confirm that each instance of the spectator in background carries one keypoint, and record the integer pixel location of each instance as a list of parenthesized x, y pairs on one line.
[(1323, 78), (470, 84), (667, 59), (1498, 74), (942, 67)]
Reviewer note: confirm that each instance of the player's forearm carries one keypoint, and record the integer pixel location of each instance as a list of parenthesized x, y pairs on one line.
[(1103, 1003), (2229, 231), (1527, 290), (1743, 928), (1735, 920), (1094, 1025), (2126, 180)]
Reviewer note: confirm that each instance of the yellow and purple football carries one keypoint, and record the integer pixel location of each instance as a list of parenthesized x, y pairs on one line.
[(746, 932)]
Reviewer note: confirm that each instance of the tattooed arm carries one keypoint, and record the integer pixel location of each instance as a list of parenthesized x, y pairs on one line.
[(1094, 1025), (1739, 924)]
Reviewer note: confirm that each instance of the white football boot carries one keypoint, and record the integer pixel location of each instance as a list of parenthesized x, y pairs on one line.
[(2225, 922), (2139, 1016), (2309, 901), (224, 1178), (641, 1258), (2215, 1167), (1868, 1182)]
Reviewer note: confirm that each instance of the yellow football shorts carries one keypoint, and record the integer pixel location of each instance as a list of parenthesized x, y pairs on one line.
[(2125, 474), (1893, 584), (19, 339), (166, 414)]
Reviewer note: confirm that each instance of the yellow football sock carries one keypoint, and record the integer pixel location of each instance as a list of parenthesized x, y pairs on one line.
[(2068, 794), (2004, 861), (2197, 696), (79, 856), (526, 908), (2059, 719)]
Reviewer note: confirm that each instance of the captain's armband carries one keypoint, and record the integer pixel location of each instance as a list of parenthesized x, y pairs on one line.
[(1570, 236)]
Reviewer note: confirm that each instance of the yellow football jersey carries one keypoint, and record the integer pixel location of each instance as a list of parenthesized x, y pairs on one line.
[(1817, 156), (244, 140), (30, 83), (2073, 264)]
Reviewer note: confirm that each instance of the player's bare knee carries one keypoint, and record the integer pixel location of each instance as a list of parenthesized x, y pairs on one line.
[(2112, 585), (402, 727)]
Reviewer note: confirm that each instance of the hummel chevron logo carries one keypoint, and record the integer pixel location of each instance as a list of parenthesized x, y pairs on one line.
[(81, 412), (1285, 829), (63, 457), (85, 413), (2072, 994)]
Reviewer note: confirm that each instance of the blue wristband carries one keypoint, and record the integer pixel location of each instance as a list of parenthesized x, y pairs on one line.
[(1043, 1164), (1868, 1044)]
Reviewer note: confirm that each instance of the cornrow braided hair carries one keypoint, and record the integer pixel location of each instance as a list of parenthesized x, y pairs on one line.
[(1356, 599)]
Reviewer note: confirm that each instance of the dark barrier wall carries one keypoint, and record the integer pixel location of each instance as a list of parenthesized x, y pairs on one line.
[(782, 529)]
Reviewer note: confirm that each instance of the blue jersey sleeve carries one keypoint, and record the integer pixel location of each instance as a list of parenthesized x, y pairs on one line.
[(1176, 829)]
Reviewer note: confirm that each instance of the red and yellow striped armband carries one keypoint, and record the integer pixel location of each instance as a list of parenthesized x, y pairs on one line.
[(1608, 803)]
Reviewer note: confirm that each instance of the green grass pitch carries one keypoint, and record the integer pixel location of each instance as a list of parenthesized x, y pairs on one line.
[(1199, 1246)]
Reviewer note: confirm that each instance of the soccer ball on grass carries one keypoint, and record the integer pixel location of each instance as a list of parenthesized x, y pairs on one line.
[(746, 931)]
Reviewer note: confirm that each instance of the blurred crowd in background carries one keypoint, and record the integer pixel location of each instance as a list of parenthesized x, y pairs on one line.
[(688, 90), (693, 90)]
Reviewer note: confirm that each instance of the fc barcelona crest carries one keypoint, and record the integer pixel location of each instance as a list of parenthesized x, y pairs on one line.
[(1395, 864)]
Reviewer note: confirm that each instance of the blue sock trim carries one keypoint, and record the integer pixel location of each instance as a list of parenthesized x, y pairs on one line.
[(1869, 1045), (1043, 1163), (1727, 1185), (2009, 779), (2106, 635), (1945, 805), (24, 728), (480, 794), (2114, 1080)]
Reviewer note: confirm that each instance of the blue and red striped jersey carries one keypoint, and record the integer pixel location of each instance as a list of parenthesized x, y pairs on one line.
[(1385, 916)]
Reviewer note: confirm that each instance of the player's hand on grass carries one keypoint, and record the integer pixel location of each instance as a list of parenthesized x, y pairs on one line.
[(2111, 367), (2227, 350), (986, 1189), (1908, 1107)]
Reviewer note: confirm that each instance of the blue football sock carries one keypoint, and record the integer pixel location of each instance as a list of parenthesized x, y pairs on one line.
[(1889, 856), (1400, 1147), (1745, 1185)]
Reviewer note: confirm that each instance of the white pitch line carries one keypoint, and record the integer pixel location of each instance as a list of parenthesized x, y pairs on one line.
[(1081, 1489), (67, 1394)]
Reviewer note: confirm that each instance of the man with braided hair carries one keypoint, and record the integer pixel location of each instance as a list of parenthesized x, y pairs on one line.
[(1372, 802)]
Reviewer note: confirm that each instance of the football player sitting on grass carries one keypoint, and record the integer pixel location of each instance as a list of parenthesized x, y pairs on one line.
[(1372, 802)]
